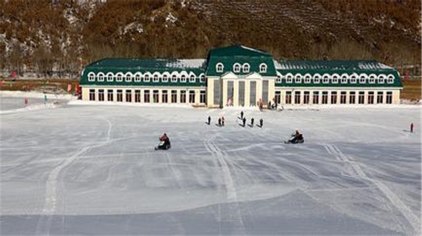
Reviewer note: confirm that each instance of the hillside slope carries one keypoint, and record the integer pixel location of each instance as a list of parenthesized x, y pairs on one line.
[(63, 35)]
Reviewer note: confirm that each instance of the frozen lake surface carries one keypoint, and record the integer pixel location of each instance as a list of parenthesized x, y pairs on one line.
[(87, 169)]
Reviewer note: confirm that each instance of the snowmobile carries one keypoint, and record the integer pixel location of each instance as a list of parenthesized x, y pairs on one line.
[(163, 145), (295, 140)]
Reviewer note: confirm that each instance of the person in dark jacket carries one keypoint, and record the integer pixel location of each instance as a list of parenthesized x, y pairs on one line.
[(164, 142), (244, 121), (241, 115), (209, 120), (261, 122), (252, 120)]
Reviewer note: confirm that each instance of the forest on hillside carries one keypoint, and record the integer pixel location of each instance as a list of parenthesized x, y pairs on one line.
[(57, 38)]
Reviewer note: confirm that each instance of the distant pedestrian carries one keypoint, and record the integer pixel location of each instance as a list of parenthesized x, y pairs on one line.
[(252, 120), (411, 128), (45, 98), (222, 120), (241, 115), (244, 121), (261, 122), (219, 121), (209, 120), (26, 101)]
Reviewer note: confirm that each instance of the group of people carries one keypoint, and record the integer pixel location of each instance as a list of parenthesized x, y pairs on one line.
[(220, 121), (243, 119)]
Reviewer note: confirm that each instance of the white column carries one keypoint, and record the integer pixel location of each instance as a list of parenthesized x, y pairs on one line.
[(236, 93)]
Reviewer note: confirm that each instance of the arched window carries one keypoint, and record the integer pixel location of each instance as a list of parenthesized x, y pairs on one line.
[(128, 77), (307, 78), (334, 78), (373, 77), (110, 77), (246, 68), (344, 78), (289, 78), (91, 76), (202, 77), (183, 78), (173, 78), (165, 78), (147, 77), (119, 77), (326, 78), (363, 77), (263, 68), (236, 68), (219, 67), (192, 79), (390, 79), (138, 77), (317, 78), (156, 78), (100, 77), (278, 79), (298, 78), (353, 78)]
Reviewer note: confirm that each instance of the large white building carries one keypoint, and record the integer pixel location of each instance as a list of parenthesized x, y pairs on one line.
[(240, 76)]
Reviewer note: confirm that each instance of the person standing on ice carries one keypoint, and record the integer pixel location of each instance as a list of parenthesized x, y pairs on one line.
[(252, 120), (209, 120), (244, 121), (411, 128), (222, 120), (219, 121), (241, 115), (45, 98), (261, 122)]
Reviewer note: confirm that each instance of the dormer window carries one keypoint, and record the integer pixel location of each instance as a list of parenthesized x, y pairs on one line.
[(326, 78), (165, 78), (183, 79), (317, 78), (174, 78), (344, 78), (146, 78), (109, 77), (335, 78), (202, 77), (372, 78), (100, 77), (219, 67), (362, 78), (289, 78), (119, 77), (263, 68), (91, 76), (307, 78), (192, 79), (298, 78), (128, 77), (155, 78), (353, 78), (278, 80), (138, 77), (246, 68), (236, 68), (390, 79)]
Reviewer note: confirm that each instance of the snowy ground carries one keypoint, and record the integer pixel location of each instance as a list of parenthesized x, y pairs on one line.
[(80, 169)]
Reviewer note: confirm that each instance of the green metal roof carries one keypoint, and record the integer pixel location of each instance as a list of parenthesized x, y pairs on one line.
[(337, 67), (116, 65), (228, 56)]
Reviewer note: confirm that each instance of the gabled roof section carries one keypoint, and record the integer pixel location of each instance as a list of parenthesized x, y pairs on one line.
[(230, 55)]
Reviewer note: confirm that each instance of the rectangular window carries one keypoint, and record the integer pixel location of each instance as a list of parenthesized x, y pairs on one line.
[(164, 96), (217, 92), (137, 95), (128, 95), (352, 98), (277, 97), (288, 97), (101, 95), (389, 98), (119, 95), (371, 97), (202, 97), (191, 96), (333, 97), (297, 97), (155, 96), (315, 97), (380, 97), (241, 93), (306, 97), (92, 94), (343, 96), (146, 96), (183, 96), (265, 91), (361, 98), (324, 97), (110, 95), (252, 95), (173, 96)]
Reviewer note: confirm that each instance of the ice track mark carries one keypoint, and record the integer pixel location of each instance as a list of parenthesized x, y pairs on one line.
[(390, 195)]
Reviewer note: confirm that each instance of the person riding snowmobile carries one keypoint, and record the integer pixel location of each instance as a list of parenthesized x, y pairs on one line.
[(296, 138), (164, 142)]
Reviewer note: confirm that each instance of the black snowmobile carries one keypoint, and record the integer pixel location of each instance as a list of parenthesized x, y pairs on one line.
[(295, 139), (164, 145)]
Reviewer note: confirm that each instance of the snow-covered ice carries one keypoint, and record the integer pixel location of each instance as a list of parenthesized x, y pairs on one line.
[(78, 169)]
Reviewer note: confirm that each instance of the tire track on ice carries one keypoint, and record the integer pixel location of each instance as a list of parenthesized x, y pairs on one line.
[(51, 193), (231, 193), (411, 218)]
